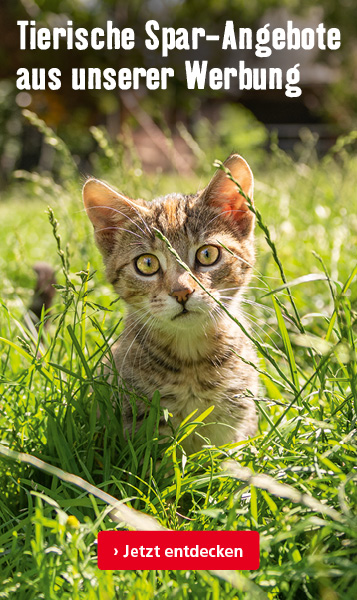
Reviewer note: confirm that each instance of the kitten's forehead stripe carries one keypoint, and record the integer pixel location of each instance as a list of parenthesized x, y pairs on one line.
[(172, 212)]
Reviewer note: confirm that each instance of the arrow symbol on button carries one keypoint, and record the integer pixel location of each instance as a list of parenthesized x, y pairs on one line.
[(116, 551)]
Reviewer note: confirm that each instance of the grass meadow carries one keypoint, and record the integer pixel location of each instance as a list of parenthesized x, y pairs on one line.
[(64, 465)]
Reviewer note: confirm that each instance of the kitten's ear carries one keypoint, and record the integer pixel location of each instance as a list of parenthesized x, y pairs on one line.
[(222, 193), (108, 210)]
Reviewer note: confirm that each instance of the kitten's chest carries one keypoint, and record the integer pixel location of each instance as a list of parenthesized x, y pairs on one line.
[(184, 384), (198, 392), (192, 387)]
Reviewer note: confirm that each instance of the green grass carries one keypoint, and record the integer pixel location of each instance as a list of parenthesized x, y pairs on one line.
[(295, 482)]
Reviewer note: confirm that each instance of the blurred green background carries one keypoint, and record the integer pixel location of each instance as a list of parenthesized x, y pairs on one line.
[(218, 121)]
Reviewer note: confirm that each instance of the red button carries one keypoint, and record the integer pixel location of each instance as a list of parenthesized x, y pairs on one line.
[(178, 550)]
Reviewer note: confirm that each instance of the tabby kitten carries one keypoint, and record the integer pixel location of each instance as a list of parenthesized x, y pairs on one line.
[(176, 338)]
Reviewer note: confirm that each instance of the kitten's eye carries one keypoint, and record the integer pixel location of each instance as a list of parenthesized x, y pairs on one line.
[(207, 255), (147, 264)]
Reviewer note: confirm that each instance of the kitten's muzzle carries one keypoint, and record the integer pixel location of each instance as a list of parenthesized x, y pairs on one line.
[(182, 294)]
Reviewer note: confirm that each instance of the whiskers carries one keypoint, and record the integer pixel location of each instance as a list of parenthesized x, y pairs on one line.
[(119, 229), (224, 212), (265, 307), (137, 366), (254, 320), (146, 231), (131, 324), (146, 321), (215, 313)]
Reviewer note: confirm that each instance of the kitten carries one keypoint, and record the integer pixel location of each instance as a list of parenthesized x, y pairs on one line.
[(176, 338)]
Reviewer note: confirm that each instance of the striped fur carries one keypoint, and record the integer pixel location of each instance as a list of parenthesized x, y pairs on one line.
[(191, 356)]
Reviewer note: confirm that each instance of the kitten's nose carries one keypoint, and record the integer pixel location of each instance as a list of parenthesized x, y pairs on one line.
[(182, 294)]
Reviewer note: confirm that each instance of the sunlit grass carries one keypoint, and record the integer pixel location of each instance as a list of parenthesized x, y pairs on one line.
[(294, 482)]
